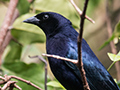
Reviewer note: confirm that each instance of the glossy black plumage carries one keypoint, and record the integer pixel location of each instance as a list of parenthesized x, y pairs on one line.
[(61, 39)]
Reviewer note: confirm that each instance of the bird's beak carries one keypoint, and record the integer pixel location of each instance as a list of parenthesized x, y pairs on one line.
[(32, 20)]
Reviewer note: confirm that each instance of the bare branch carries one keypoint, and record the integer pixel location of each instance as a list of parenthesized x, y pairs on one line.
[(7, 85), (2, 78), (80, 12), (6, 79), (80, 63), (7, 21), (28, 82), (62, 58), (16, 86)]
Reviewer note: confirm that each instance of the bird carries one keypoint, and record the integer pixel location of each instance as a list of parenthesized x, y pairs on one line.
[(61, 39)]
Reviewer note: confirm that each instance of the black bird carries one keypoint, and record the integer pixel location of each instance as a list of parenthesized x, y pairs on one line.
[(61, 39)]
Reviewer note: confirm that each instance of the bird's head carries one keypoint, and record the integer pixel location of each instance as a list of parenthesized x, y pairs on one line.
[(48, 21)]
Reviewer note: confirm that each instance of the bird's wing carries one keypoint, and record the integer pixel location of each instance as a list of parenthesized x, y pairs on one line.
[(72, 54), (97, 76), (95, 71)]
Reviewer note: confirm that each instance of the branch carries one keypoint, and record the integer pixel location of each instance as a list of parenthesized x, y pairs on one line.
[(5, 36), (43, 60), (80, 12), (62, 58), (80, 63), (7, 21), (112, 45), (6, 79), (23, 80), (16, 86), (8, 85)]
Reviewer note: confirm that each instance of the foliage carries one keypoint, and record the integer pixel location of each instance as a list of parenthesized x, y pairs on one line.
[(118, 83), (55, 84), (29, 72), (115, 35), (113, 58), (23, 6)]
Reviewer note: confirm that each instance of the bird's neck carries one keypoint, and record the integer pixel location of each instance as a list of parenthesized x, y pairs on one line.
[(59, 30)]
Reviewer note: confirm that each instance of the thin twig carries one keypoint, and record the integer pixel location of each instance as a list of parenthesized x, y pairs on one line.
[(80, 12), (43, 60), (17, 41), (80, 63), (7, 85), (62, 58), (6, 79), (112, 45), (2, 78), (16, 86), (28, 82)]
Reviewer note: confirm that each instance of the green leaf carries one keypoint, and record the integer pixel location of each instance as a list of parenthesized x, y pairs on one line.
[(116, 34), (30, 50), (118, 83), (114, 57), (107, 42), (23, 6), (115, 80), (117, 30), (27, 33), (55, 84), (14, 52), (118, 53)]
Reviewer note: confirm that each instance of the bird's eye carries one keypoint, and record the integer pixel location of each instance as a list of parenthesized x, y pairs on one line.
[(45, 17)]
